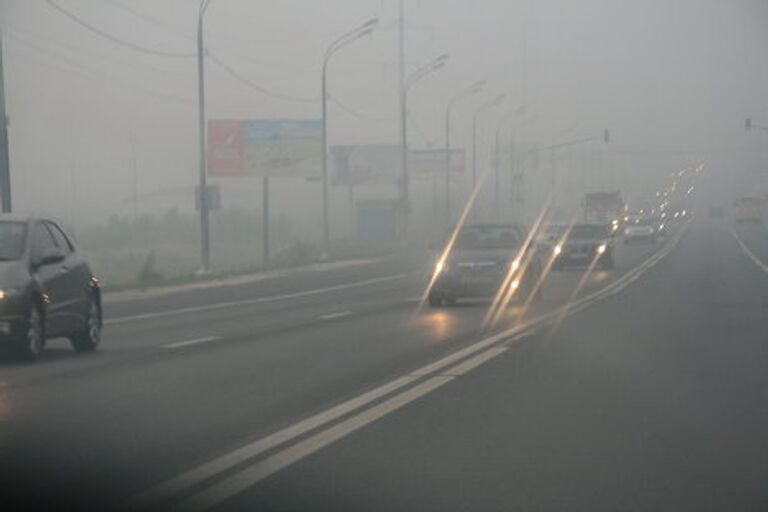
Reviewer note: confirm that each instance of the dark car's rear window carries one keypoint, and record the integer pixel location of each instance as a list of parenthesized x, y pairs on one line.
[(488, 237), (589, 231), (12, 235)]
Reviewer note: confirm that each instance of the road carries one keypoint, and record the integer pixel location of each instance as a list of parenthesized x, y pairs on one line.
[(331, 390)]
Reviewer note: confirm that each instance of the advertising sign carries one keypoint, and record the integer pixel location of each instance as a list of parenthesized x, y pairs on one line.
[(377, 164), (427, 161), (264, 148)]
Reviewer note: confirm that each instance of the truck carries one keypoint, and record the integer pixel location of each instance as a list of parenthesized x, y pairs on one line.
[(602, 207), (749, 210)]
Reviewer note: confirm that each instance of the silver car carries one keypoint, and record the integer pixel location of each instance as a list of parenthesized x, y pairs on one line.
[(482, 258)]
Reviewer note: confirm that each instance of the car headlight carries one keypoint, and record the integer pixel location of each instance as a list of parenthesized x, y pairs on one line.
[(441, 267), (557, 249), (8, 292), (515, 265), (601, 248)]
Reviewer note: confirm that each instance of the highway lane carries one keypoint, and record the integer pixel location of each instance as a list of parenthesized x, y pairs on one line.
[(140, 411), (651, 400)]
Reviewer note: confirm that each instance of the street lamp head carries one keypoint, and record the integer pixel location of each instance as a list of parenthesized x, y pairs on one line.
[(364, 33), (443, 57), (437, 65)]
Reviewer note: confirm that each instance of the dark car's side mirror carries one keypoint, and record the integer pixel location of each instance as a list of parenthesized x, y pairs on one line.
[(49, 257)]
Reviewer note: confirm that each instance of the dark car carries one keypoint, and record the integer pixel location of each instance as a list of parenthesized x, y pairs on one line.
[(47, 288), (584, 244), (482, 256)]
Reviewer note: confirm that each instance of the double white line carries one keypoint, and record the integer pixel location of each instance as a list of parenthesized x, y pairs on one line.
[(418, 383)]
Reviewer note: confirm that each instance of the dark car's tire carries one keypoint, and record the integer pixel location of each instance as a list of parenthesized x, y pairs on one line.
[(31, 344), (88, 339), (435, 300)]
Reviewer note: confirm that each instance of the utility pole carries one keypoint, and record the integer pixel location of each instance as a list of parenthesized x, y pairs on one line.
[(205, 248), (135, 176), (403, 133), (5, 165), (265, 220), (340, 42)]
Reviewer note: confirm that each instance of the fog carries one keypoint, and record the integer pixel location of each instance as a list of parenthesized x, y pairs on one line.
[(98, 129)]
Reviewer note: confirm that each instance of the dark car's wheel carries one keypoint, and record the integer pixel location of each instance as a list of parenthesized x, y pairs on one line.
[(88, 339), (30, 346), (435, 300)]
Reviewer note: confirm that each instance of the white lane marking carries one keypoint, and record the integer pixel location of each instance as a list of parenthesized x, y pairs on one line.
[(256, 300), (762, 266), (196, 341), (331, 316), (235, 457), (239, 482), (198, 475)]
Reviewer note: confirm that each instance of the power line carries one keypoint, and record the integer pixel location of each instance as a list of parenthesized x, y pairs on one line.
[(240, 78), (114, 39), (353, 112)]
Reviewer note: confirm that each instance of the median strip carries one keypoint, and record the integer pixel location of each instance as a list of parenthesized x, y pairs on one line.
[(255, 300)]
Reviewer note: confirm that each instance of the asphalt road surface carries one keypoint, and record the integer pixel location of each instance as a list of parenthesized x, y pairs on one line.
[(644, 389)]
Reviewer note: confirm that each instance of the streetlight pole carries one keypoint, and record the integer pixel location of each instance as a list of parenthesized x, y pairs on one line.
[(5, 165), (417, 75), (473, 89), (484, 107), (497, 162), (205, 248), (340, 42)]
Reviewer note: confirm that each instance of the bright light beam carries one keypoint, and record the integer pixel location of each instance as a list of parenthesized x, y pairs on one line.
[(441, 262)]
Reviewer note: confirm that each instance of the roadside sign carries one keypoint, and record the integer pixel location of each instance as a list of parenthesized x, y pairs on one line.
[(264, 147)]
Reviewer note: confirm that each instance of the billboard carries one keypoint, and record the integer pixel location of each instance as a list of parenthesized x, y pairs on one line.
[(379, 164), (370, 164), (427, 161), (264, 147)]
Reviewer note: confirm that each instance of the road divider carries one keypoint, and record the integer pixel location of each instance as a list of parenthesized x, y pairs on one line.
[(197, 341), (256, 300), (331, 316)]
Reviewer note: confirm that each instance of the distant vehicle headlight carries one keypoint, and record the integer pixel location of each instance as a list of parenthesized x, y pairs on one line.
[(601, 248), (515, 264), (8, 292), (440, 267), (514, 284), (557, 249)]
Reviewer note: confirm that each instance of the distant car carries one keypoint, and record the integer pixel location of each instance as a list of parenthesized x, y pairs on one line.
[(482, 256), (47, 288), (640, 230), (584, 244)]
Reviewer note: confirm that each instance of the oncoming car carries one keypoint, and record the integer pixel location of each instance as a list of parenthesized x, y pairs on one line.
[(483, 258), (583, 245), (47, 288)]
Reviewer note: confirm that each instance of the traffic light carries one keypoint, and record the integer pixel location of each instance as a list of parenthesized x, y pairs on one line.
[(748, 124), (607, 136)]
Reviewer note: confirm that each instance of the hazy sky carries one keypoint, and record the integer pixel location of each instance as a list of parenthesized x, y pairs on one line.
[(672, 79)]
